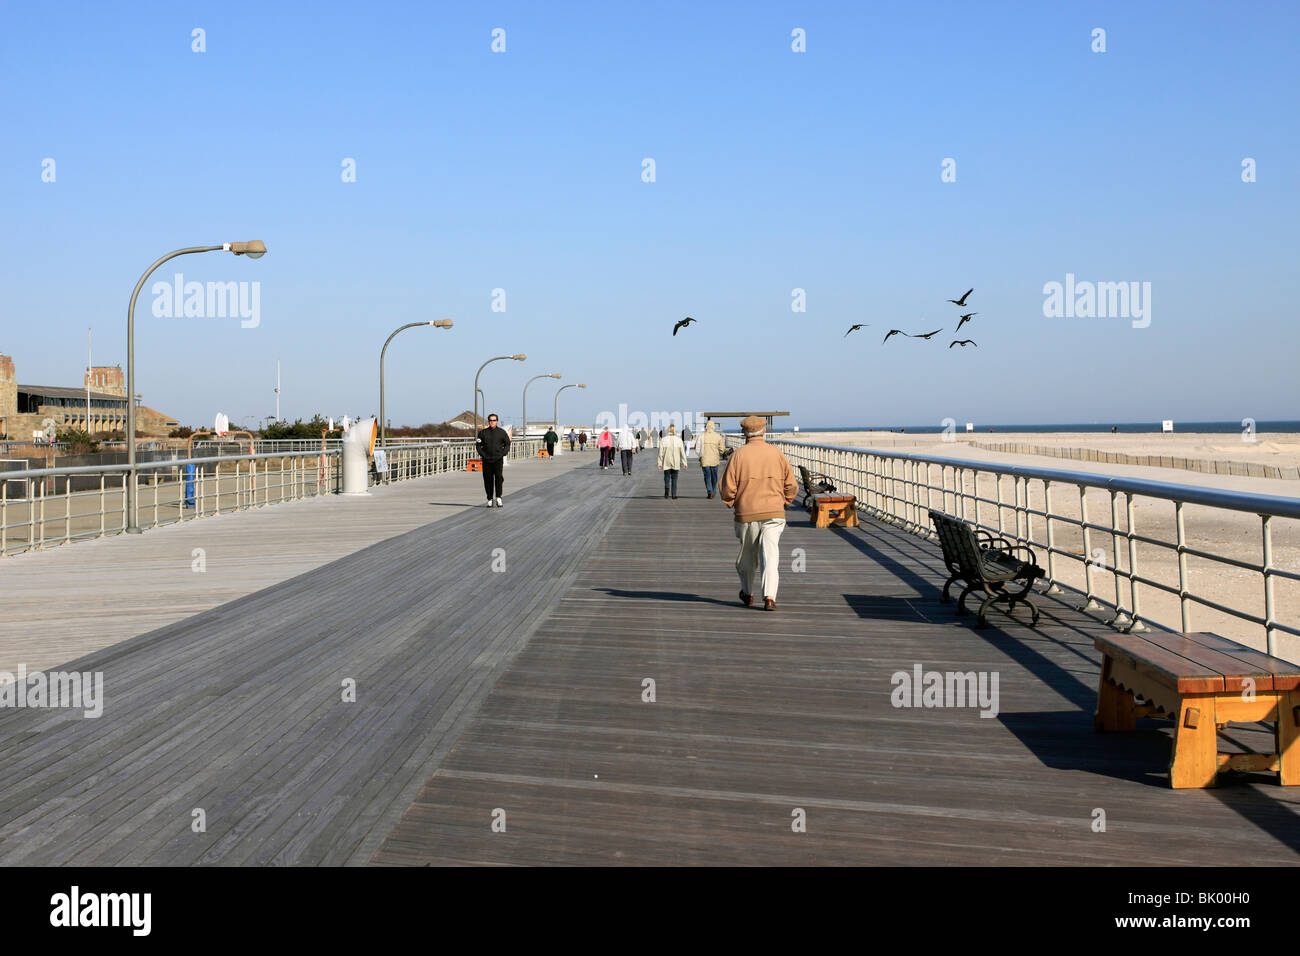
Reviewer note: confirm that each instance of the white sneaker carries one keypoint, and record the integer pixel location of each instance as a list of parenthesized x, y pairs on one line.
[(499, 503), (491, 503)]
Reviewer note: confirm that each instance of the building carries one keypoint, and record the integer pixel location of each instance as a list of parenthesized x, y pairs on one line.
[(24, 408)]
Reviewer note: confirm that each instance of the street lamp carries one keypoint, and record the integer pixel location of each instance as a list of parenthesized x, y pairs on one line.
[(555, 423), (474, 414), (383, 422), (555, 412), (526, 384), (254, 250)]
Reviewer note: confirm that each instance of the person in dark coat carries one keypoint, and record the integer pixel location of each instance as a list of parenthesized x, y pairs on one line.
[(550, 438), (493, 445)]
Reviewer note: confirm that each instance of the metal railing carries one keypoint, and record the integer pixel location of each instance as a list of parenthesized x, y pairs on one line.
[(40, 507), (313, 444), (901, 488)]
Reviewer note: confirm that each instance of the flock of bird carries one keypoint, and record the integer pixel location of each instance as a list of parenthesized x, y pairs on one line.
[(962, 320)]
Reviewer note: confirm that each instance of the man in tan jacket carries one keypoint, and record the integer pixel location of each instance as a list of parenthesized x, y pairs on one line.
[(710, 446), (758, 484)]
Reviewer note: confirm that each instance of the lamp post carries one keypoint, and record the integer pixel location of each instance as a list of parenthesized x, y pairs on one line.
[(383, 422), (526, 384), (254, 250), (474, 414), (555, 412)]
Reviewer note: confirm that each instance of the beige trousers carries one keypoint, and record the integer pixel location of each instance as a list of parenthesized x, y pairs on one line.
[(759, 537)]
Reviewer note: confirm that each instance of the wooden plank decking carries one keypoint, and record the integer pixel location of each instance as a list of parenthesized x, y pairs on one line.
[(522, 690), (238, 710), (758, 714)]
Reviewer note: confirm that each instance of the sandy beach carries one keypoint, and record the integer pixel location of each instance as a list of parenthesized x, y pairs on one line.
[(1229, 533)]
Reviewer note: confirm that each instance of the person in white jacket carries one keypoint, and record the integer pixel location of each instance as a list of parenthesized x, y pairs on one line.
[(672, 458), (626, 447)]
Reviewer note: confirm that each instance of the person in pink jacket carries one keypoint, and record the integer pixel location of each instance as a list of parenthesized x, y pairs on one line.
[(606, 445)]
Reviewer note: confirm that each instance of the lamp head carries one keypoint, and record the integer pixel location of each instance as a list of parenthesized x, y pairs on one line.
[(582, 386), (556, 375), (441, 323), (520, 357), (254, 249)]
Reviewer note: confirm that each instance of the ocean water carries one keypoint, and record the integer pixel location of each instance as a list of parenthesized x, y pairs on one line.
[(1124, 428)]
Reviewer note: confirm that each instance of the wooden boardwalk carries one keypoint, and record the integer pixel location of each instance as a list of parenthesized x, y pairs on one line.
[(238, 711), (759, 714), (70, 600), (520, 690)]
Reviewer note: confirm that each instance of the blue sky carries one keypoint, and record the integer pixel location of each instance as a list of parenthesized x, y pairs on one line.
[(775, 170)]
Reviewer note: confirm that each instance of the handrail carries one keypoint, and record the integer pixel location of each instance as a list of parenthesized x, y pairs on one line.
[(900, 488), (53, 508), (1276, 505)]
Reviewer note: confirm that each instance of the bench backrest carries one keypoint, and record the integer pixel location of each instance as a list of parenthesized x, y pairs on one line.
[(811, 484), (960, 545)]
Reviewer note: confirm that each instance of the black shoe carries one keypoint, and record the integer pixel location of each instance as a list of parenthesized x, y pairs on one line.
[(674, 497), (665, 496), (746, 599)]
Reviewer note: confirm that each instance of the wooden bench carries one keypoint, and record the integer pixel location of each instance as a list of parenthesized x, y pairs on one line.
[(814, 483), (839, 510), (987, 563), (1203, 682)]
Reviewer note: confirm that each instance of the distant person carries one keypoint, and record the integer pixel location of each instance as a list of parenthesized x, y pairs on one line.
[(626, 448), (573, 438), (688, 439), (1113, 429), (759, 485), (710, 447), (550, 438), (582, 440), (493, 445), (672, 459), (606, 445)]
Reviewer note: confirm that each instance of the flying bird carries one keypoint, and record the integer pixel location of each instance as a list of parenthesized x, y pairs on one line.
[(684, 322), (963, 343), (854, 328), (891, 332), (964, 319), (926, 335), (962, 300)]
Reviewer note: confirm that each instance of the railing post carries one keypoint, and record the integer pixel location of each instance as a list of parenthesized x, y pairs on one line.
[(1269, 610), (1052, 586), (1121, 620), (1185, 605), (1136, 624), (1090, 598)]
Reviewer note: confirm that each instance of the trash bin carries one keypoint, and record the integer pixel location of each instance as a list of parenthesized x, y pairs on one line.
[(190, 471)]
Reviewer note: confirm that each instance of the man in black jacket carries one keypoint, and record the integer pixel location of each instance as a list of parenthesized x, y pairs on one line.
[(493, 446)]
